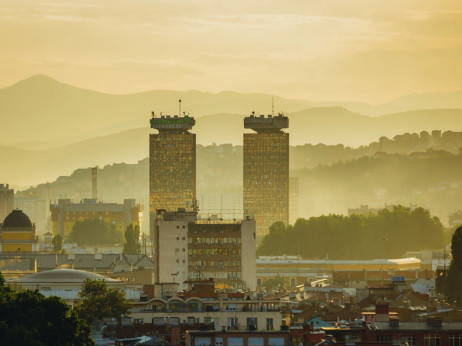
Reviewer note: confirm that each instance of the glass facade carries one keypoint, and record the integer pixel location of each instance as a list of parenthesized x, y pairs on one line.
[(172, 167), (266, 179), (214, 251)]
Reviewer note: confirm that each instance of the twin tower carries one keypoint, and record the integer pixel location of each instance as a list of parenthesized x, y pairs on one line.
[(172, 168)]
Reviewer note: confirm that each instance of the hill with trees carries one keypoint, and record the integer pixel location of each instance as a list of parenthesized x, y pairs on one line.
[(388, 234), (408, 169)]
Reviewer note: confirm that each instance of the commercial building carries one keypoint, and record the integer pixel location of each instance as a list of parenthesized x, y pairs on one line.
[(297, 271), (65, 214), (294, 208), (266, 171), (172, 166), (201, 303), (6, 200), (17, 234), (237, 338), (189, 248)]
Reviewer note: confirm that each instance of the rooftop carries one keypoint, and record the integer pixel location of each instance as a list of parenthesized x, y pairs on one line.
[(63, 276), (167, 123), (266, 124)]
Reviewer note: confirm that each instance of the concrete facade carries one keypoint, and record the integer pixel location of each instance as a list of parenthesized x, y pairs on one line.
[(189, 248)]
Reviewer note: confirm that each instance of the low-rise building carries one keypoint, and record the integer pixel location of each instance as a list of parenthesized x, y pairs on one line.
[(17, 234), (237, 338), (65, 214), (202, 304)]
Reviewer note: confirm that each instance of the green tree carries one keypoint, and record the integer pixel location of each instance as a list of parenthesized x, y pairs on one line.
[(95, 232), (29, 318), (453, 282), (98, 302), (387, 234), (57, 242), (132, 244)]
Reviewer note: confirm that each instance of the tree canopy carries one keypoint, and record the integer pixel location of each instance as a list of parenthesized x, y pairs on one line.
[(95, 232), (388, 234), (29, 318), (132, 244), (453, 284), (57, 243), (98, 302)]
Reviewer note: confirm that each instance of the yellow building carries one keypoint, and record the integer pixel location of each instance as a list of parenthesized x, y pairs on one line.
[(17, 233), (172, 166), (65, 214), (266, 171)]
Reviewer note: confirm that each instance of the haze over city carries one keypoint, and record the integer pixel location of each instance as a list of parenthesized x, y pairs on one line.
[(266, 173)]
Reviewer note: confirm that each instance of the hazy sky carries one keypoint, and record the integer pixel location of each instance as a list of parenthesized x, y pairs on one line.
[(364, 50)]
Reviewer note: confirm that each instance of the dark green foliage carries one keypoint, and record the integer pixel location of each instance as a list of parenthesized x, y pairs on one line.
[(95, 232), (132, 244), (28, 318), (57, 242), (389, 234), (453, 284), (99, 301)]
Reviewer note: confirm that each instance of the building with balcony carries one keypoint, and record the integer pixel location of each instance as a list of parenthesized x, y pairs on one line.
[(17, 234), (266, 171), (191, 248), (202, 304)]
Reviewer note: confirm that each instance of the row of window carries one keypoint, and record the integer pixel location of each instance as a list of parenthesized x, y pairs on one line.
[(211, 263), (221, 240), (214, 252)]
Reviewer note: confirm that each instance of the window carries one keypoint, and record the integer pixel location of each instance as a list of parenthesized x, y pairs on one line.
[(410, 340), (455, 340), (251, 323), (432, 340), (255, 342), (269, 324), (293, 282), (384, 338)]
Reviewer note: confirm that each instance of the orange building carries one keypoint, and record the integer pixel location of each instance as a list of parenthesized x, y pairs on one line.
[(17, 233)]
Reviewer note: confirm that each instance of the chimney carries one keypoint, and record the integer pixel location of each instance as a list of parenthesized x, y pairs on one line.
[(94, 183), (382, 311)]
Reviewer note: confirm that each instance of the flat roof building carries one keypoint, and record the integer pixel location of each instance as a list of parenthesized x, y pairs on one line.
[(66, 213), (266, 171), (172, 166), (192, 249)]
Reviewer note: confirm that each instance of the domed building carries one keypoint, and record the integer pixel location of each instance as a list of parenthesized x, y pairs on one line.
[(17, 233)]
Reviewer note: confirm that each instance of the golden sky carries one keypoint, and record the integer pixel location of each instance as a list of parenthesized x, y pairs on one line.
[(361, 50)]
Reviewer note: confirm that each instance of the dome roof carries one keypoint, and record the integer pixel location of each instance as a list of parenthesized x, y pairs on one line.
[(17, 219), (64, 276)]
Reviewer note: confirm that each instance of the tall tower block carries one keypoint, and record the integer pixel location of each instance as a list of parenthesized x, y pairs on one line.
[(266, 171), (172, 166)]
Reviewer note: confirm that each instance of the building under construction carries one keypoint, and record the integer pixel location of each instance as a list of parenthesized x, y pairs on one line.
[(266, 171)]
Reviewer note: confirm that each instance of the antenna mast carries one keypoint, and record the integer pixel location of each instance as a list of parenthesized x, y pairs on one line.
[(272, 106)]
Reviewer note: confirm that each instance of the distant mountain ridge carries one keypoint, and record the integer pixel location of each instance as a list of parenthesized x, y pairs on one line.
[(316, 125), (41, 112)]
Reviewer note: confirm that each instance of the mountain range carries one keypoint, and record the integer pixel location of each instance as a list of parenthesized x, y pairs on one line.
[(50, 128)]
